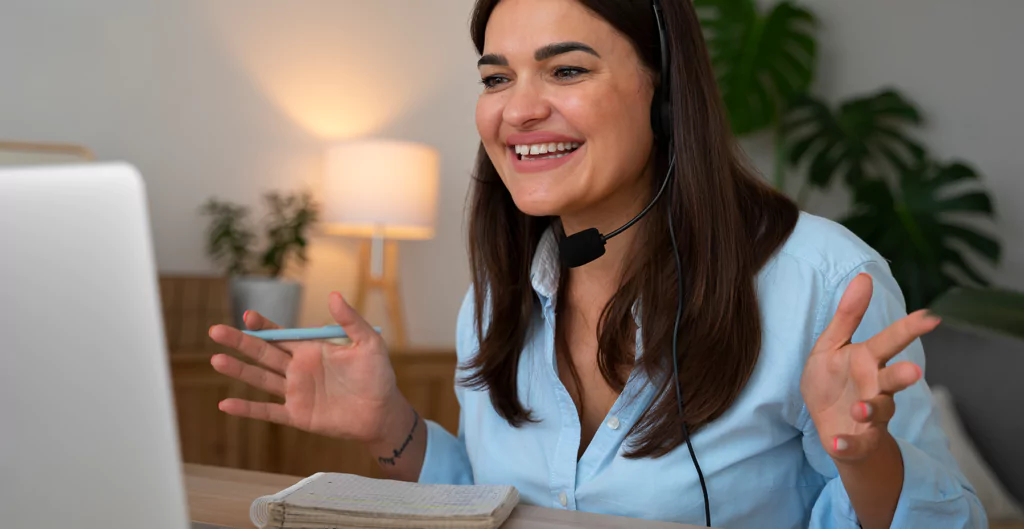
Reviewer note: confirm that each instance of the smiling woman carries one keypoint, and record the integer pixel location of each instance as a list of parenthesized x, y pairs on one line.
[(723, 325)]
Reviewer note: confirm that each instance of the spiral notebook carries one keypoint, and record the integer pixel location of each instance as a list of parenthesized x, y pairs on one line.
[(329, 500)]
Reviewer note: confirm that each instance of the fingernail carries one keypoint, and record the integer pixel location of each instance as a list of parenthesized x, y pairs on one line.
[(841, 444), (931, 316), (866, 408), (920, 372), (245, 316)]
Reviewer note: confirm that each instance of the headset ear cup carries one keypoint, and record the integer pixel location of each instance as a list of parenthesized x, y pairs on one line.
[(661, 117), (658, 116), (666, 120)]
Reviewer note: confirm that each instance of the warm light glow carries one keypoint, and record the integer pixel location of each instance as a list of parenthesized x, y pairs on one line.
[(383, 186), (339, 69)]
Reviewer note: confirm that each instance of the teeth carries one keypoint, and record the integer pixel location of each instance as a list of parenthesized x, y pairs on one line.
[(546, 148)]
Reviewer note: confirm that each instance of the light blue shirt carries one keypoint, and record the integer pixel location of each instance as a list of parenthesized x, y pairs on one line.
[(762, 460)]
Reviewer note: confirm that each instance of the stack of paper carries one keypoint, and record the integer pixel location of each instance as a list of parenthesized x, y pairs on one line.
[(328, 500)]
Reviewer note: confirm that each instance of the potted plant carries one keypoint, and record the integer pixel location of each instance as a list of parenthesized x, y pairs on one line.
[(920, 211), (256, 275)]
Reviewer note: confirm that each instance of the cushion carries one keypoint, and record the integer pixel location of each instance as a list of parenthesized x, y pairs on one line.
[(998, 503)]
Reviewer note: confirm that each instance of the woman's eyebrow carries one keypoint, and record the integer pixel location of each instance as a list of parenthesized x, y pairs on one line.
[(541, 54), (559, 48)]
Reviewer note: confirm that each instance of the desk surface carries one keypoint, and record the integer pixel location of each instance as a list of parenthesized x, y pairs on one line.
[(222, 496)]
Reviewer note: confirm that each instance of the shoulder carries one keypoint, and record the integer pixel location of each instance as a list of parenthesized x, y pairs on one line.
[(801, 285), (825, 249)]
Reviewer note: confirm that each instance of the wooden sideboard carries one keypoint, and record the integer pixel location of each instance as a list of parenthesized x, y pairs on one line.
[(191, 304)]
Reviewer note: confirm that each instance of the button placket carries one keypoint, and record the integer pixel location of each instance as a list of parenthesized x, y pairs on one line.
[(563, 465)]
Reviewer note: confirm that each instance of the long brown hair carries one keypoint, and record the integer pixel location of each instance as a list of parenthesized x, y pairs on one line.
[(727, 221)]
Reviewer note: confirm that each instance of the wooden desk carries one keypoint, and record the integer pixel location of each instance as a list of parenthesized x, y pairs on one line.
[(222, 496)]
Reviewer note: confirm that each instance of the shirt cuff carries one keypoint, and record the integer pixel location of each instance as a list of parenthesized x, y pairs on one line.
[(931, 496), (446, 460)]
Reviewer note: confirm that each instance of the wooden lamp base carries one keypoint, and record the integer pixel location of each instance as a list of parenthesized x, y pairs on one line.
[(384, 278)]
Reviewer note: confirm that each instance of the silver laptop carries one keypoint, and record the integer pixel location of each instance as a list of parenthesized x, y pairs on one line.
[(87, 431)]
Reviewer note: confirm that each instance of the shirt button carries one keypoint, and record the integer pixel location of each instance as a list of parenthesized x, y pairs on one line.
[(563, 499), (613, 423)]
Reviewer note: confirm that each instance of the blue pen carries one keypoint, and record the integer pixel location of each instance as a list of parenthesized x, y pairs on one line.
[(313, 333)]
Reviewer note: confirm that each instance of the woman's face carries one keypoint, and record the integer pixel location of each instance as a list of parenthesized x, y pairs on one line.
[(557, 75)]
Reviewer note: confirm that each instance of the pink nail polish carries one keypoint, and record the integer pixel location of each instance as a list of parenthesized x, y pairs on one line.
[(866, 408), (841, 444)]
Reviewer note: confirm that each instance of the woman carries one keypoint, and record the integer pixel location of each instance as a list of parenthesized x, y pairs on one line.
[(799, 372)]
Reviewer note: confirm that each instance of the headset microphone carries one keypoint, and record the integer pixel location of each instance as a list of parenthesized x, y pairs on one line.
[(581, 248)]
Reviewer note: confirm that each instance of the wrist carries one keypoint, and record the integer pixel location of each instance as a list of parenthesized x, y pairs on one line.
[(886, 452), (396, 422), (874, 482)]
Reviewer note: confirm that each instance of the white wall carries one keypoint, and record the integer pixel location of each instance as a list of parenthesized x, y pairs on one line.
[(233, 97)]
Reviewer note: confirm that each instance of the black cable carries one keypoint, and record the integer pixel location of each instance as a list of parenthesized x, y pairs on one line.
[(675, 361), (640, 215)]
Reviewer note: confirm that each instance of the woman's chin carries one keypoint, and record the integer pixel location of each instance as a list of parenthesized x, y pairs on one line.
[(537, 206)]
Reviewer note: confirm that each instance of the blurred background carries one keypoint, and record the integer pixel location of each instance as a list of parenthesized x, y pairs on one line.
[(256, 123)]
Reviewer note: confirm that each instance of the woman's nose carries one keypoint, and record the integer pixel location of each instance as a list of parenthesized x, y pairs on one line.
[(525, 107)]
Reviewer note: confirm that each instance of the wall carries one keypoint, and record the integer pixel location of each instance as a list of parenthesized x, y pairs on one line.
[(234, 97)]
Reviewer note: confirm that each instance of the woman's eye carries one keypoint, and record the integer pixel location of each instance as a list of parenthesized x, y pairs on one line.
[(569, 72), (492, 81)]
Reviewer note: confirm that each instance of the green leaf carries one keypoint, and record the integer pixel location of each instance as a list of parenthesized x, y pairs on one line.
[(956, 261), (762, 61), (981, 243), (914, 226), (970, 202), (861, 138), (988, 310)]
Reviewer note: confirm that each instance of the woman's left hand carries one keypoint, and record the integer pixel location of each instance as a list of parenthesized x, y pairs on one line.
[(847, 387)]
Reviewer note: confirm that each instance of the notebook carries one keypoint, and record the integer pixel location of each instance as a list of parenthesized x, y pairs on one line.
[(329, 500)]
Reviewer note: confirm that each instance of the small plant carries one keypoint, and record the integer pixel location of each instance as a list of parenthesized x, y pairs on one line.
[(230, 236)]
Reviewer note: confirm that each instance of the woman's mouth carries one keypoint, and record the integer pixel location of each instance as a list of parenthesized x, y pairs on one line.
[(545, 151), (541, 157)]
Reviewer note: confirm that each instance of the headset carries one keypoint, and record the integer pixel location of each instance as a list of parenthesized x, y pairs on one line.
[(586, 246)]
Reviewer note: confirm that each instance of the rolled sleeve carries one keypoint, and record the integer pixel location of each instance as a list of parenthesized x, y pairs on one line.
[(934, 495), (446, 460), (935, 492)]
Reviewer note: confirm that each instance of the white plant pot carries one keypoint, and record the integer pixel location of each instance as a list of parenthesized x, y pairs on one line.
[(276, 299)]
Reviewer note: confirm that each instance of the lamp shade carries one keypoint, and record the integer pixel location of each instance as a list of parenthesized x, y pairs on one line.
[(381, 187)]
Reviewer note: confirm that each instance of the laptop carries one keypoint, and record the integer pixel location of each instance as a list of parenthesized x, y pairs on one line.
[(88, 437)]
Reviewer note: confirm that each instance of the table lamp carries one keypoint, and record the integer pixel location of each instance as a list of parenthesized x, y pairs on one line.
[(381, 191)]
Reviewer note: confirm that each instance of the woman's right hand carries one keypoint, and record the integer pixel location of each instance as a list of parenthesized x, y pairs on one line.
[(341, 391)]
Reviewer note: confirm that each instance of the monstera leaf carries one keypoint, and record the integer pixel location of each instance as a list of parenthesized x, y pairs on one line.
[(985, 310), (862, 138), (917, 228), (762, 61)]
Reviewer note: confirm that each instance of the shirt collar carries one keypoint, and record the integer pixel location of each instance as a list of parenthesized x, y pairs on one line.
[(546, 269)]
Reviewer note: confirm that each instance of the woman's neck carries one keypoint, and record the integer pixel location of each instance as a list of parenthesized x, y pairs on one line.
[(601, 277)]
